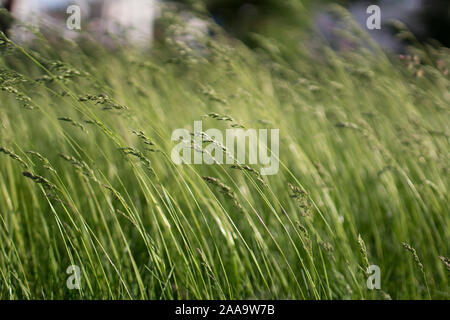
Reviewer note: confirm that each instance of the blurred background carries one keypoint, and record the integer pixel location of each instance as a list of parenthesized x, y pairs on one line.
[(427, 19)]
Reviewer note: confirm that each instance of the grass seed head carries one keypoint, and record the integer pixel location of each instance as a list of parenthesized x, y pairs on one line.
[(302, 199), (446, 262), (47, 185), (13, 156), (414, 255)]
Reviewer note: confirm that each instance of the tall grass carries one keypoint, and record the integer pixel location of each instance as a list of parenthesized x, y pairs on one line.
[(86, 176)]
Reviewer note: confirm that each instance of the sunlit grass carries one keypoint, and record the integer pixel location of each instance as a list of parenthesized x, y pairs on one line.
[(86, 176)]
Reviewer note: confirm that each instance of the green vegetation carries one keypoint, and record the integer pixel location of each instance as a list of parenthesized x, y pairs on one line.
[(86, 176)]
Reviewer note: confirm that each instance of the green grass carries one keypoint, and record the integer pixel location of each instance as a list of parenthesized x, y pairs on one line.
[(364, 147)]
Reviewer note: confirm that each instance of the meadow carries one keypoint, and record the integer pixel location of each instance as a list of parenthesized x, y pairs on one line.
[(86, 176)]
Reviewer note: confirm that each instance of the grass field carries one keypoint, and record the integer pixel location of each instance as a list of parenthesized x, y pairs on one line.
[(86, 176)]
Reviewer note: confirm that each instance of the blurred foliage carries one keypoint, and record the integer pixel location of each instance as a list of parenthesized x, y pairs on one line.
[(5, 19), (243, 18), (278, 18), (436, 17)]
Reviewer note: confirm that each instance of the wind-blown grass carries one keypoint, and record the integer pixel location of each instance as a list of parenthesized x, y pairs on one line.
[(86, 176)]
